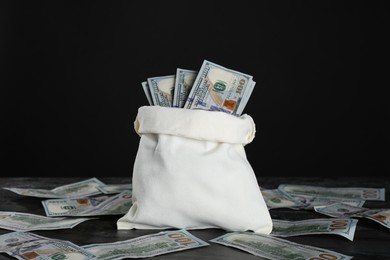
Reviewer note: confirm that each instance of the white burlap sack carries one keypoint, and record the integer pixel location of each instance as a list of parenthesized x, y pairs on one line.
[(191, 172)]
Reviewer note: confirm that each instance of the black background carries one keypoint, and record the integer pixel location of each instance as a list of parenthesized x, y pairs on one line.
[(71, 74)]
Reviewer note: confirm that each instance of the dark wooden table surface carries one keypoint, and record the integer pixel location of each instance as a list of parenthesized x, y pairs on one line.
[(371, 240)]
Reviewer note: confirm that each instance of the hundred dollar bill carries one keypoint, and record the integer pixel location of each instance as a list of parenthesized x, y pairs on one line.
[(276, 199), (340, 210), (89, 206), (115, 188), (72, 207), (183, 84), (274, 248), (356, 193), (148, 95), (382, 216), (147, 246), (25, 245), (343, 227), (161, 89), (18, 221), (220, 89), (311, 201), (116, 205), (78, 189)]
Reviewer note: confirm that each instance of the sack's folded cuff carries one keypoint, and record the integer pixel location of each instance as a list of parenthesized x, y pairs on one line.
[(196, 124)]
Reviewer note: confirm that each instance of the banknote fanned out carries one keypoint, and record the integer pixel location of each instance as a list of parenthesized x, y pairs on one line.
[(145, 87), (183, 84), (161, 89), (220, 89)]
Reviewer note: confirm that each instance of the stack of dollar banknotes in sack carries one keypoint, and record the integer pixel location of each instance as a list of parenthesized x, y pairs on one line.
[(69, 205), (213, 87)]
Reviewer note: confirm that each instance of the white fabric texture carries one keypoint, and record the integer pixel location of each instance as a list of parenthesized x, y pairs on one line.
[(191, 172)]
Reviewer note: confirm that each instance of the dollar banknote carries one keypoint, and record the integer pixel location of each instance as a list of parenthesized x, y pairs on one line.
[(161, 89), (276, 199), (147, 246), (148, 95), (183, 83), (218, 88), (18, 221), (271, 247), (340, 210), (337, 226), (26, 245), (356, 193), (310, 201), (382, 216), (72, 207), (115, 188), (78, 189), (89, 206), (117, 205)]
